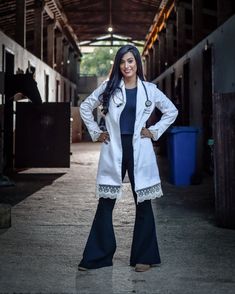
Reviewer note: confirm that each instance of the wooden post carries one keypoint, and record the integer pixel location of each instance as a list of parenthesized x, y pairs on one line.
[(65, 58), (38, 28), (224, 159), (72, 65), (180, 23), (147, 57), (51, 44), (170, 42), (59, 53), (20, 29), (155, 60), (197, 28), (158, 57), (162, 49), (150, 64)]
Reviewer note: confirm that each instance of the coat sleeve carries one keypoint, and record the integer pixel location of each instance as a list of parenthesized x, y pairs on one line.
[(169, 113), (86, 111)]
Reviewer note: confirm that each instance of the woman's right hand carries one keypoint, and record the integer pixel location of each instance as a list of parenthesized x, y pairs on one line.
[(104, 137)]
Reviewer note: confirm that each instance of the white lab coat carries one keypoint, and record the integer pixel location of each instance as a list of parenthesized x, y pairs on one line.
[(146, 174)]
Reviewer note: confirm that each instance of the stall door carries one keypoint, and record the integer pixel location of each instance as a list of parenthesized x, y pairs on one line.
[(42, 136)]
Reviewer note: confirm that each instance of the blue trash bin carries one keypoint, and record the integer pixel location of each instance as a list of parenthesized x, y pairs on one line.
[(182, 149)]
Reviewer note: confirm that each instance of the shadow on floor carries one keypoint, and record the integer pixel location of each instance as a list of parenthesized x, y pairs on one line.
[(25, 185)]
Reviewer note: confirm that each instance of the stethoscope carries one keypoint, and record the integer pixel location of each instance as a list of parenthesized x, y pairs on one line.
[(148, 102)]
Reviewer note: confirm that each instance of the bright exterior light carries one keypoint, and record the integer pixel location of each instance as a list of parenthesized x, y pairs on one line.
[(111, 51), (111, 62), (110, 29)]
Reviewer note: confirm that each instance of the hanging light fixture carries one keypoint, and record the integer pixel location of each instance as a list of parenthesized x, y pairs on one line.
[(110, 27)]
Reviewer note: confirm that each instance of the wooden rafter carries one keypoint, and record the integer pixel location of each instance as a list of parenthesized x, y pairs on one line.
[(160, 20), (86, 20)]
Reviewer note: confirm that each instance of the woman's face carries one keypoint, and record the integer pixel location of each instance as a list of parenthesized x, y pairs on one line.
[(128, 65)]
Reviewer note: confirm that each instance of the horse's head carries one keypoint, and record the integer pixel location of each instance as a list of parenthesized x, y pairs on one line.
[(22, 83)]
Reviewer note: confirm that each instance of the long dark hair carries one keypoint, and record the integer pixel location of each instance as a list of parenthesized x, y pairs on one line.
[(116, 75)]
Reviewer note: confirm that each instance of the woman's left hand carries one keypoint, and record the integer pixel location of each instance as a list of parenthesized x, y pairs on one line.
[(145, 133), (104, 137)]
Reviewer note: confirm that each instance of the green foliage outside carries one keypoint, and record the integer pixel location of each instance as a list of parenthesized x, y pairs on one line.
[(99, 62)]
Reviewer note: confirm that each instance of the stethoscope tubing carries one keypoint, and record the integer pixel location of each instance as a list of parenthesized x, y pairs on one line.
[(148, 102)]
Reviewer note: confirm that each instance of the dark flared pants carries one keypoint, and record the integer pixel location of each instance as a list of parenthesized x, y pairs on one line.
[(101, 243)]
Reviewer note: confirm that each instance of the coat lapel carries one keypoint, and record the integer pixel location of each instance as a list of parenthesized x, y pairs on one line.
[(140, 101), (120, 94)]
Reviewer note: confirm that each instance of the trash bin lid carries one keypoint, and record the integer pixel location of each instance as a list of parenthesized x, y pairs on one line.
[(183, 129)]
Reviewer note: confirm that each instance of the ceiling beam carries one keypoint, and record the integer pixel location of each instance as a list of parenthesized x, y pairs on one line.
[(49, 12), (160, 20)]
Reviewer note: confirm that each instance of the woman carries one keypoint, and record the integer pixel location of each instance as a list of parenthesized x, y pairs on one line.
[(127, 102)]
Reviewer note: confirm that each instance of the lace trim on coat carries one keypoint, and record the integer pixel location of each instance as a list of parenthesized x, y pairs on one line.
[(149, 193), (108, 191), (115, 192)]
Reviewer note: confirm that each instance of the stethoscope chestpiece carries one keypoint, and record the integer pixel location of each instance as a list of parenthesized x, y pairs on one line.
[(148, 103)]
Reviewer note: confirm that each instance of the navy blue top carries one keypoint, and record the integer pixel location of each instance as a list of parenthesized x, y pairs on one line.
[(127, 119)]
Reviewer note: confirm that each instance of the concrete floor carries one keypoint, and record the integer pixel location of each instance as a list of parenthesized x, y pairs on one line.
[(52, 211)]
